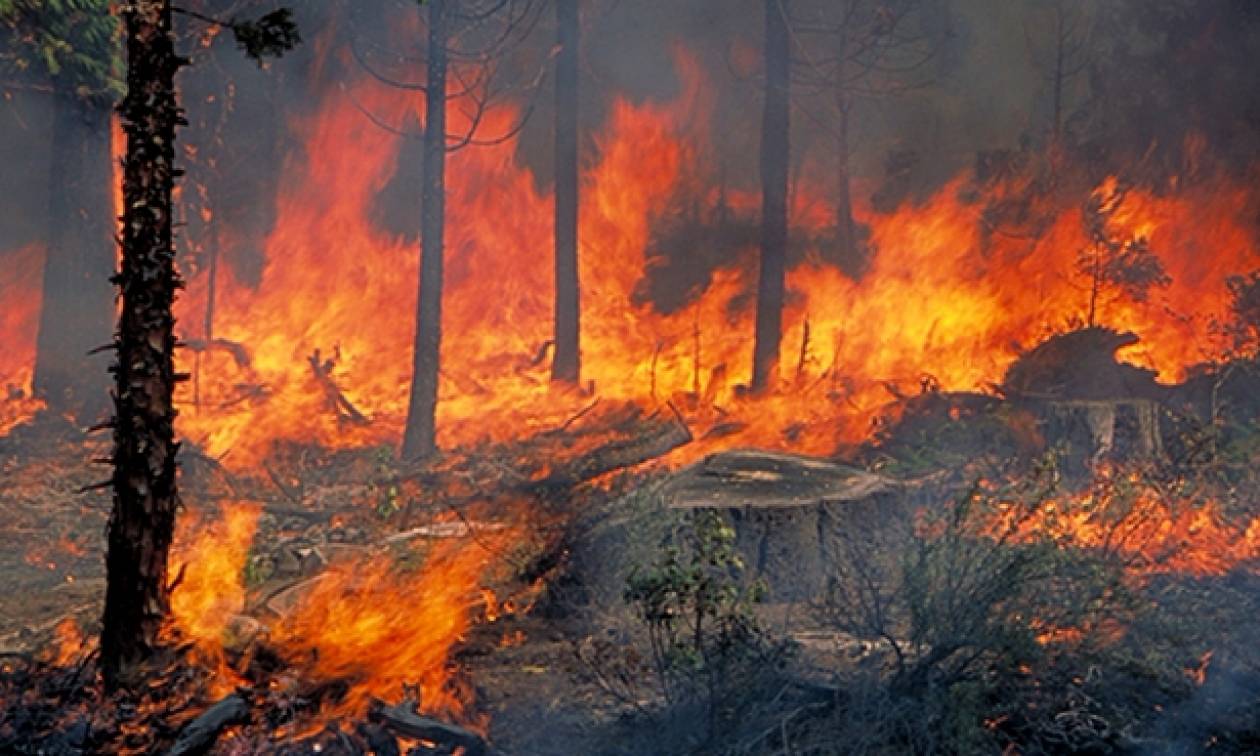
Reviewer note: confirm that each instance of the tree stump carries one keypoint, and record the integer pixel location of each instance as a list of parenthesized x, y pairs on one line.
[(785, 509)]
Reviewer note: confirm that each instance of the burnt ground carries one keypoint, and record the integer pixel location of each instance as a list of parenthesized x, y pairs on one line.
[(532, 678), (54, 566), (525, 669), (546, 677)]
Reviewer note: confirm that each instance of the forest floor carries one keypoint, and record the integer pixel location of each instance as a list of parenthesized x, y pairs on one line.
[(528, 681), (585, 509)]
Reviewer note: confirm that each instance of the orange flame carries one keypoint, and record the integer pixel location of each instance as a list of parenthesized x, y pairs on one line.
[(1198, 673), (68, 643), (946, 292), (21, 274), (385, 630), (209, 558), (1150, 532), (365, 623)]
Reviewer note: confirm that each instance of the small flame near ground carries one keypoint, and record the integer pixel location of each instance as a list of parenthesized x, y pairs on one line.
[(1152, 531), (381, 628), (209, 558)]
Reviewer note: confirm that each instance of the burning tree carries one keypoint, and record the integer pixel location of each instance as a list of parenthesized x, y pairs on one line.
[(465, 42), (1244, 292), (70, 50), (1122, 263), (142, 522), (566, 365), (859, 50), (1062, 54), (775, 122), (849, 50)]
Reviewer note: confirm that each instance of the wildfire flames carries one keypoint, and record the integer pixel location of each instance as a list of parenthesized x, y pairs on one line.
[(19, 320), (1151, 531), (366, 622), (209, 558), (947, 290), (950, 288), (383, 629)]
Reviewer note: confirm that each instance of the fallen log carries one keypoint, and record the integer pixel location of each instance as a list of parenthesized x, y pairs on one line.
[(663, 433), (199, 735), (404, 720), (454, 529), (561, 458)]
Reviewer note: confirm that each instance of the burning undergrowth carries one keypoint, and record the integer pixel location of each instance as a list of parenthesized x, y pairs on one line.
[(1006, 615), (263, 656), (1078, 334), (333, 599), (339, 616)]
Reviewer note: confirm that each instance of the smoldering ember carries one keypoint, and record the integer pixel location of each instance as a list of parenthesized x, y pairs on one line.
[(609, 377)]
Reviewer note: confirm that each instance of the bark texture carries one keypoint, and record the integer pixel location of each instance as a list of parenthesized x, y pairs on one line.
[(77, 302), (145, 497), (419, 439), (567, 363), (774, 188)]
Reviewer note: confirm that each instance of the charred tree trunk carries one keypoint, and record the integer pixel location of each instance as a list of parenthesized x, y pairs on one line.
[(419, 437), (77, 302), (566, 366), (774, 189), (145, 497)]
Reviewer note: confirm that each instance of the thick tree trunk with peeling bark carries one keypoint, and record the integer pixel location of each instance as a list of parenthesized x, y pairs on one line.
[(77, 302), (567, 363), (145, 498), (419, 437), (774, 188)]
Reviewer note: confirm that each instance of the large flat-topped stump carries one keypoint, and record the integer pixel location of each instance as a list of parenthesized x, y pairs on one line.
[(770, 480), (785, 508)]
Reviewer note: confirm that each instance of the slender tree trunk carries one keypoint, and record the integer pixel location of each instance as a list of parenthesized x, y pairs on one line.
[(846, 232), (145, 497), (774, 188), (419, 437), (1095, 286), (77, 301), (207, 323), (1057, 123), (567, 363)]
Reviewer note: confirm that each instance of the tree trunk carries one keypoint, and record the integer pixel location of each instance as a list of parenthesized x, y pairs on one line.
[(1060, 40), (774, 187), (145, 497), (567, 363), (77, 301), (846, 233), (419, 436)]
